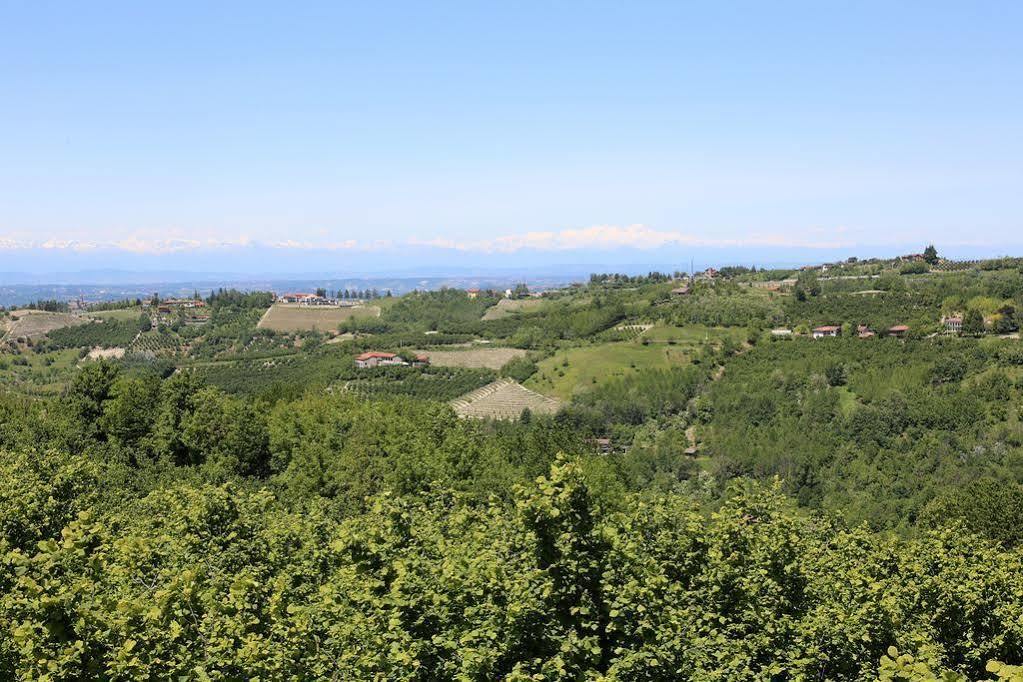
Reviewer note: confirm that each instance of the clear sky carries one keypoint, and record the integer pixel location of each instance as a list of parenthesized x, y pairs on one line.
[(480, 124)]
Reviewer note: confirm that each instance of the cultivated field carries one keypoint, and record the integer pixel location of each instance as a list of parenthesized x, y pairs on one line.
[(476, 358), (290, 317), (35, 323), (503, 399), (573, 370), (508, 306)]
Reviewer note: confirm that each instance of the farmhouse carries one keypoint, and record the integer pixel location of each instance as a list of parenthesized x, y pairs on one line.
[(680, 291), (421, 360), (953, 324), (864, 332), (375, 359), (898, 331), (472, 293), (828, 330)]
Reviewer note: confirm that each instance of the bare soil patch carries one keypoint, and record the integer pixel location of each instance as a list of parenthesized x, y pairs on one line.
[(35, 323), (108, 353)]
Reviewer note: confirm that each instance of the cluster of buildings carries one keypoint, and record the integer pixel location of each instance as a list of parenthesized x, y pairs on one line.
[(193, 311), (377, 359), (508, 293), (899, 331), (952, 325), (316, 300), (832, 330), (306, 299)]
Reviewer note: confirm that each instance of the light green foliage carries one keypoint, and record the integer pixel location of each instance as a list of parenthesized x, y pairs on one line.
[(221, 582)]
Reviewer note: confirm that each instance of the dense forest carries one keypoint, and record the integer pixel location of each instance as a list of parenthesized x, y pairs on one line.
[(713, 500)]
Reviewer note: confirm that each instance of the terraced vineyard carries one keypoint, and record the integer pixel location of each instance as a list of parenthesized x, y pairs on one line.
[(503, 399)]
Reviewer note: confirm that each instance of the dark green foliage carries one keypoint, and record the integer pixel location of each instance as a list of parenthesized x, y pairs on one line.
[(519, 369), (973, 322), (988, 507), (290, 374), (877, 311), (914, 268), (900, 423), (444, 310), (557, 322), (723, 305), (232, 299), (638, 397), (835, 374)]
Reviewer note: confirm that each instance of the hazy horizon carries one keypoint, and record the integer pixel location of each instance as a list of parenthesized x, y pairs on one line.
[(427, 135)]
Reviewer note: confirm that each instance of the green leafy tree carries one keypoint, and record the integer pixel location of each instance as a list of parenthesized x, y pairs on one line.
[(973, 322)]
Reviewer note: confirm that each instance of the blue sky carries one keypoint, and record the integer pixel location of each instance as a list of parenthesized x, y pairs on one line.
[(507, 126)]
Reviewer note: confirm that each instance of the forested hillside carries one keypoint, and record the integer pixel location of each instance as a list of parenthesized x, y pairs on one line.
[(721, 496)]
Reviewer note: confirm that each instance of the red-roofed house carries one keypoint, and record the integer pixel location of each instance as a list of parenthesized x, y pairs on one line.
[(375, 359), (898, 331), (473, 293)]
